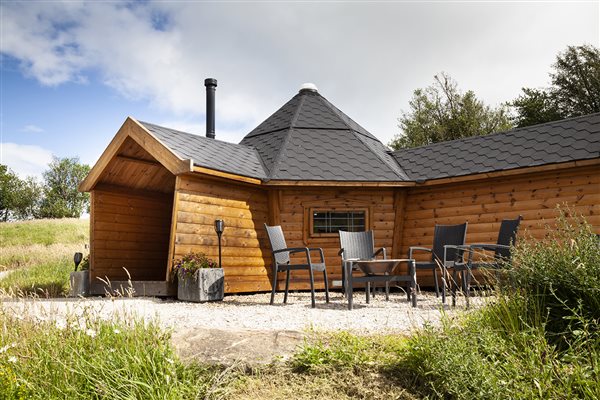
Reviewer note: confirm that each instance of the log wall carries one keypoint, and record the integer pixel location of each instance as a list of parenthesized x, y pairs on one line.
[(485, 203), (244, 209), (129, 229), (293, 210)]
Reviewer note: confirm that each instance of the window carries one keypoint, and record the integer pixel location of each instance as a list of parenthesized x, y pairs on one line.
[(330, 222)]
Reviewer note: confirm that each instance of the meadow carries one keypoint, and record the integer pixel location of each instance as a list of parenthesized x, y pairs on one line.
[(538, 338)]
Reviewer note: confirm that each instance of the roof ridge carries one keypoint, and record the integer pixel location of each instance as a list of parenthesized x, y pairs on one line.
[(287, 137), (340, 114), (381, 158), (505, 132)]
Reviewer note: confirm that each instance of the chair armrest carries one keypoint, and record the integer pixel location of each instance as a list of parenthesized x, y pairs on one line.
[(320, 250), (413, 248), (379, 251), (291, 250)]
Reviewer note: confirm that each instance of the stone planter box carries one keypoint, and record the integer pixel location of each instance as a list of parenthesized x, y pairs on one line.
[(79, 283), (208, 284)]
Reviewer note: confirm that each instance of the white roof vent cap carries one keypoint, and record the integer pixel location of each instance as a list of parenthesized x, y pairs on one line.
[(311, 87)]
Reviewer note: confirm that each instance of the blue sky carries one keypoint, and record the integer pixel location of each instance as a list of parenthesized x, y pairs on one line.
[(73, 71)]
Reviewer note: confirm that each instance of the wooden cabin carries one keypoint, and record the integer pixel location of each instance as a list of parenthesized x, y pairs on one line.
[(156, 192)]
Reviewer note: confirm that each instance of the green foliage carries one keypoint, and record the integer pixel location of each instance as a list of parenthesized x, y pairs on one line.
[(441, 112), (539, 339), (19, 198), (48, 278), (45, 232), (344, 350), (85, 358), (560, 275), (575, 89), (61, 197), (192, 262)]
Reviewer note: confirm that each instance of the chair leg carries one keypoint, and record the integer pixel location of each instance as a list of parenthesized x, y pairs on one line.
[(274, 285), (387, 291), (312, 287), (368, 292), (435, 280), (326, 286), (344, 278), (408, 290), (287, 285)]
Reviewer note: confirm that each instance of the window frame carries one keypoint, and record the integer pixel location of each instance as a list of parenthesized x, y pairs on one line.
[(313, 210)]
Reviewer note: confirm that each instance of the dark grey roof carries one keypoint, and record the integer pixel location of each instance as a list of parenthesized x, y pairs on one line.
[(310, 139), (549, 143), (210, 153)]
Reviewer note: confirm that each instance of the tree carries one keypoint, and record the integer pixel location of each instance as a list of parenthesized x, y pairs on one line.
[(19, 199), (8, 185), (575, 89), (441, 112), (61, 197)]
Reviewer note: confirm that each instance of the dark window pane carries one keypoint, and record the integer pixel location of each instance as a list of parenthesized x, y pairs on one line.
[(333, 221)]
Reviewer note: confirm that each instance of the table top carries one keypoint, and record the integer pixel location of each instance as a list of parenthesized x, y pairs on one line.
[(399, 260)]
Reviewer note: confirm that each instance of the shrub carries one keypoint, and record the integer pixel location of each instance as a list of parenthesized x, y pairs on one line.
[(192, 262)]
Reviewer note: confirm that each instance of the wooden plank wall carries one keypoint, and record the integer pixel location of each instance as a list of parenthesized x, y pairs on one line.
[(485, 203), (130, 230), (199, 202), (294, 202)]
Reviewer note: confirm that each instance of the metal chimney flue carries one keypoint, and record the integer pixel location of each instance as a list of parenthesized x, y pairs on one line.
[(211, 87)]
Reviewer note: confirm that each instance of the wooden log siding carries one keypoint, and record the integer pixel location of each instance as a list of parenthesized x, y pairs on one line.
[(130, 230), (485, 203), (245, 250), (294, 213)]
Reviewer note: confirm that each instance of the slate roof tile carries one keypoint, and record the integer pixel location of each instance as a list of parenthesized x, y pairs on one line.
[(552, 142), (210, 153)]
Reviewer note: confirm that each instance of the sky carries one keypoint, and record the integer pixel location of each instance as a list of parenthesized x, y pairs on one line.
[(72, 71)]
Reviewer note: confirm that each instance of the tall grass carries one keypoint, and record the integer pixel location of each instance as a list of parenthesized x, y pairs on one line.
[(39, 254), (87, 358), (44, 232), (539, 339)]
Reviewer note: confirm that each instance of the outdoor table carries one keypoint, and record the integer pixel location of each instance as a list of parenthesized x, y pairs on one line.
[(379, 271)]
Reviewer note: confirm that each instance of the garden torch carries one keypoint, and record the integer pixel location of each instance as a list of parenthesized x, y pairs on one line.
[(219, 227)]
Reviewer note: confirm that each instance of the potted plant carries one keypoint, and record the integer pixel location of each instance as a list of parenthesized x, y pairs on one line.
[(80, 280), (199, 278)]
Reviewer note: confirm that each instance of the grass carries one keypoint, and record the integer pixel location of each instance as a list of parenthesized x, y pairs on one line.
[(45, 232), (538, 339), (39, 254), (87, 358)]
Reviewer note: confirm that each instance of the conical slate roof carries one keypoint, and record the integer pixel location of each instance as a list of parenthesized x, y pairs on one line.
[(310, 139)]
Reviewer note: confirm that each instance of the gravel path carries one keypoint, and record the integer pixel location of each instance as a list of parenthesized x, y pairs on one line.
[(246, 325)]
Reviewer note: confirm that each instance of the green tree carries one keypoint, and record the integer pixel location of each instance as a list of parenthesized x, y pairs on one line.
[(28, 198), (9, 182), (575, 89), (442, 112), (61, 197), (19, 198)]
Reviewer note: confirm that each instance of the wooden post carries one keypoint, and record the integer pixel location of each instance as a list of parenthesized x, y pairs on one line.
[(400, 196)]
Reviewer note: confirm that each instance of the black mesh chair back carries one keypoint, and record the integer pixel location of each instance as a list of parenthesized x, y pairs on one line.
[(447, 235), (277, 240), (506, 237), (357, 245)]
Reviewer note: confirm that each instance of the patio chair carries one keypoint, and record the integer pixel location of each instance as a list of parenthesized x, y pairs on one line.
[(281, 262), (359, 246), (441, 256), (507, 236)]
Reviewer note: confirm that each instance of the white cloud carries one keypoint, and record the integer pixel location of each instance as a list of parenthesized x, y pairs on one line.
[(25, 160), (366, 58), (30, 128)]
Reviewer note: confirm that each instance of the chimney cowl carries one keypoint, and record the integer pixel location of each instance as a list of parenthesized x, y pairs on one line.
[(211, 85)]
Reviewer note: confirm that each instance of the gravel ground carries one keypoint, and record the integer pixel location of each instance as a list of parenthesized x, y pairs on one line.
[(253, 312), (245, 328)]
